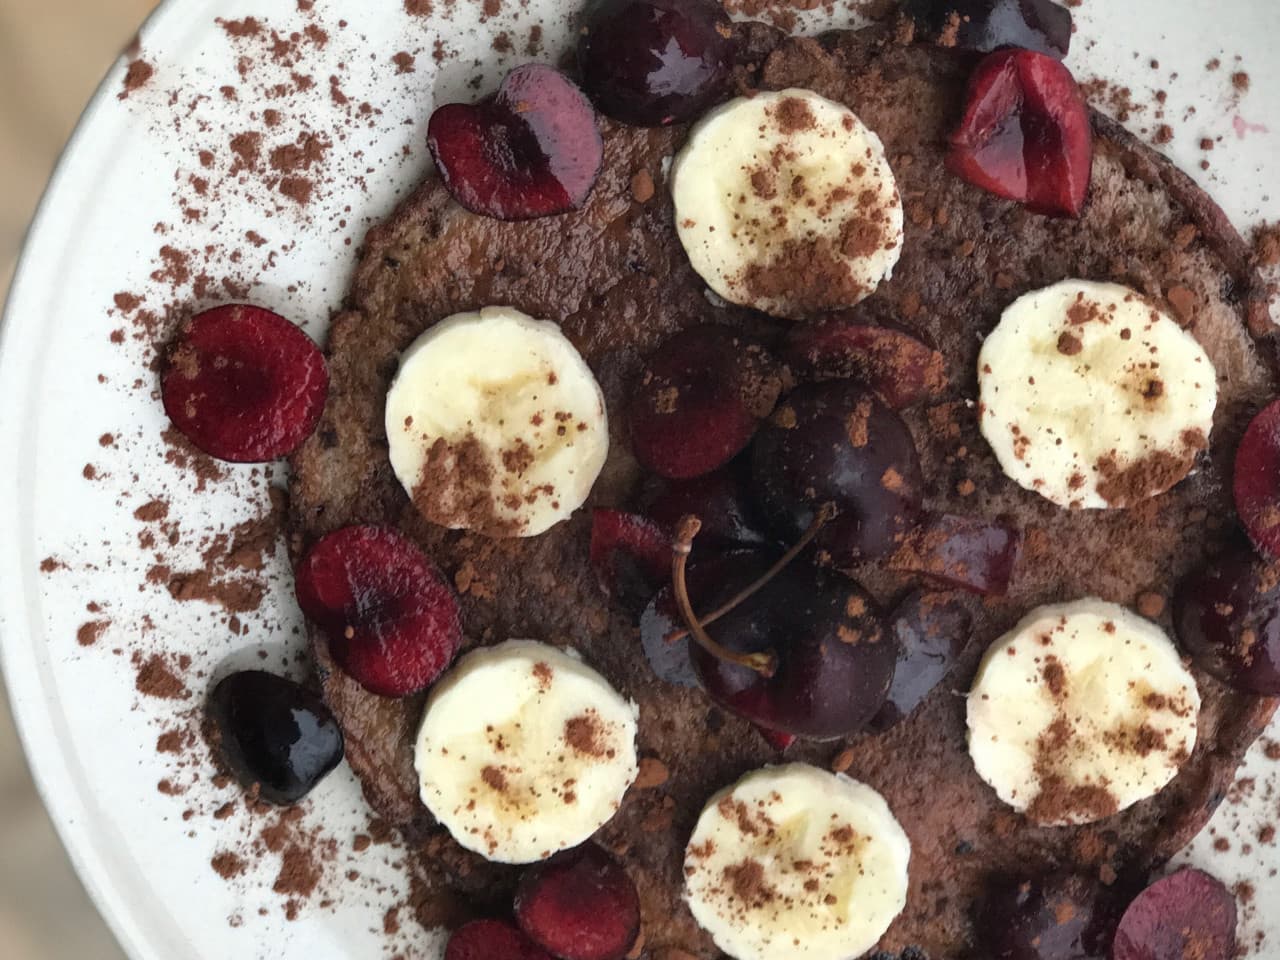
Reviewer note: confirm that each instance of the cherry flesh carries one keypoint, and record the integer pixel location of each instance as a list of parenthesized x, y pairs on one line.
[(244, 384), (580, 905), (391, 620), (1256, 483), (530, 150), (1026, 134)]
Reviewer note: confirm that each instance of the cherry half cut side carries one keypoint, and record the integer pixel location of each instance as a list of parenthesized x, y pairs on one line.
[(1058, 916), (1256, 482), (492, 940), (1186, 914), (244, 384), (530, 150), (1026, 134), (986, 25), (655, 62), (900, 368), (391, 619), (580, 905)]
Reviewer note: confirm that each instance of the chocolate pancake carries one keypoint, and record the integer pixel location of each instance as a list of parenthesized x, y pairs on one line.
[(614, 276)]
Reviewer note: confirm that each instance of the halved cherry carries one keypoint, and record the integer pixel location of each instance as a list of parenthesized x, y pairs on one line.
[(244, 384), (966, 552), (491, 940), (984, 25), (1257, 480), (932, 630), (631, 554), (530, 150), (901, 369), (1025, 134), (580, 905), (1187, 914), (391, 619), (776, 738)]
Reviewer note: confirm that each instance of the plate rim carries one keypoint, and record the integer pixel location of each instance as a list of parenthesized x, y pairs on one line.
[(19, 666)]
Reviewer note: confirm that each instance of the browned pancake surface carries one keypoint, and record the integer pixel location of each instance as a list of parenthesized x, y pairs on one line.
[(615, 278)]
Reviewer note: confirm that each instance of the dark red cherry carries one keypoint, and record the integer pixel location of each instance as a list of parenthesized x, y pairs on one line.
[(1026, 134), (1062, 916), (986, 25), (837, 443), (931, 630), (705, 578), (244, 384), (899, 367), (654, 62), (391, 619), (274, 734), (1227, 616), (580, 905), (700, 398), (530, 150), (721, 500), (967, 552), (631, 554), (1257, 480), (1184, 915), (492, 940), (832, 659)]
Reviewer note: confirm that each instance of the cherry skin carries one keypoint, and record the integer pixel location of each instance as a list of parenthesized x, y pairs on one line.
[(1186, 914), (899, 367), (832, 658), (275, 734), (1227, 616), (700, 400), (932, 630), (1061, 916), (986, 25), (654, 62), (838, 443)]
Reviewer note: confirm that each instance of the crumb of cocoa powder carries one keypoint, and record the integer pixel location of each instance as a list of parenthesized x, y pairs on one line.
[(156, 678), (89, 632), (404, 62), (642, 186), (136, 76), (1240, 80), (1163, 134), (584, 735), (228, 865), (1150, 604)]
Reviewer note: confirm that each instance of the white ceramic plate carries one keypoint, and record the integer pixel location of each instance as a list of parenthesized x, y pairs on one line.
[(63, 384)]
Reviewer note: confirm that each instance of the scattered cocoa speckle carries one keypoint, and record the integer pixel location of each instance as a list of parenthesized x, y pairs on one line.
[(228, 865), (653, 773), (642, 187), (404, 62), (1240, 80), (1150, 604), (157, 678), (89, 632), (137, 75)]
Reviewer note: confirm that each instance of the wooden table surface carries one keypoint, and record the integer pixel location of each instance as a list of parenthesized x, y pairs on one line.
[(52, 55)]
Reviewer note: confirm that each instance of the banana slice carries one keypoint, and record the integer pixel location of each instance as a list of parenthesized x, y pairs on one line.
[(524, 750), (1093, 397), (1080, 711), (785, 202), (793, 861), (496, 424)]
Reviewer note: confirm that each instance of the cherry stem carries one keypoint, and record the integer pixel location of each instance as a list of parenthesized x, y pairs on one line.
[(765, 664), (825, 515)]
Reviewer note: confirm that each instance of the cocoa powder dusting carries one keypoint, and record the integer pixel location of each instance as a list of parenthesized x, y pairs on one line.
[(136, 76), (584, 735), (156, 678)]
